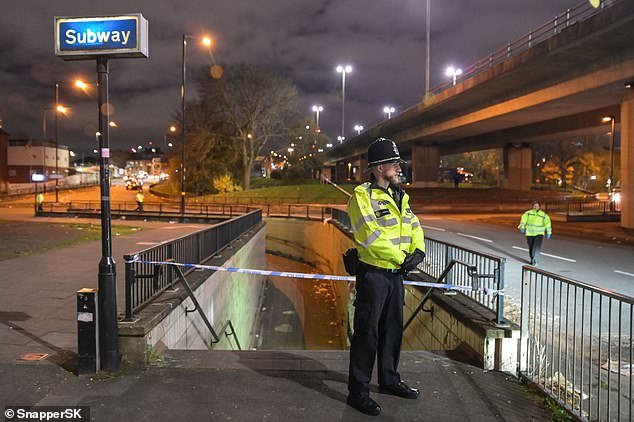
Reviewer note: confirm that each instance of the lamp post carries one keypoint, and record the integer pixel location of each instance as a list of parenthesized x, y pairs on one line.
[(358, 129), (317, 109), (453, 73), (206, 41), (612, 130), (389, 110), (343, 70)]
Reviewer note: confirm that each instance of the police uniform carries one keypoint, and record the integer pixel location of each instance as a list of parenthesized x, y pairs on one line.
[(535, 223), (387, 234)]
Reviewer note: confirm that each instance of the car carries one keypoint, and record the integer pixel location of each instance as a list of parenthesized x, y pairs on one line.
[(132, 184)]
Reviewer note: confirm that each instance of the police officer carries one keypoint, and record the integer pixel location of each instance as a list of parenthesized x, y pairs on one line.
[(139, 201), (534, 224), (390, 242)]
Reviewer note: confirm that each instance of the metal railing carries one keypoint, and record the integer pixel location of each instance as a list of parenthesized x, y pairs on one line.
[(583, 206), (489, 267), (144, 282), (208, 210), (439, 256), (569, 17), (563, 20), (577, 344)]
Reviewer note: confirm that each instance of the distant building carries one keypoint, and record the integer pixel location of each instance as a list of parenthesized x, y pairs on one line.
[(4, 170), (25, 157)]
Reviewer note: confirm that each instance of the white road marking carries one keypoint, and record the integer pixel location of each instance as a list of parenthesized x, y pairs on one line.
[(475, 237), (547, 254), (431, 218), (433, 228), (146, 243), (624, 273)]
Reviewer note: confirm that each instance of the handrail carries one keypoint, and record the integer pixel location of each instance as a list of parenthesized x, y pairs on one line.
[(214, 336), (472, 271)]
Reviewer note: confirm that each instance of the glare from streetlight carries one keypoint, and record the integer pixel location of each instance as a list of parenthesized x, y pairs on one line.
[(172, 128), (606, 119), (318, 108), (112, 124), (358, 128), (452, 72), (61, 109), (207, 41), (81, 84), (389, 110)]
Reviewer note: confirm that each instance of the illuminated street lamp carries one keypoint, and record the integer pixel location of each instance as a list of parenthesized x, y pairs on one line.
[(207, 42), (343, 70), (358, 129), (317, 109), (112, 123), (341, 139), (610, 119), (389, 110), (453, 73)]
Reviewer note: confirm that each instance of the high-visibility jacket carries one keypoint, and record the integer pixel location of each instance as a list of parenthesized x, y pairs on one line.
[(383, 232), (40, 198), (536, 223), (140, 197)]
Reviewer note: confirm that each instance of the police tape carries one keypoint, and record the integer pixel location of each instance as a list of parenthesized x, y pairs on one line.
[(287, 274)]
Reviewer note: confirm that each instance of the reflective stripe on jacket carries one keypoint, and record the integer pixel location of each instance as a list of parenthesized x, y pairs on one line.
[(383, 232), (536, 223)]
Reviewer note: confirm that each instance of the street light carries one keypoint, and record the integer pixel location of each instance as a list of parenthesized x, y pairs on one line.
[(207, 42), (343, 70), (453, 73), (610, 119), (341, 139), (317, 109), (389, 110), (358, 128)]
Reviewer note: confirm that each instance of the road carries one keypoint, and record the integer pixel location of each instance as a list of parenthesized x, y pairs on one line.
[(599, 264)]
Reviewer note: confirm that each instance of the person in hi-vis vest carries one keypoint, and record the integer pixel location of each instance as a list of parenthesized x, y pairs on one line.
[(390, 242), (535, 223)]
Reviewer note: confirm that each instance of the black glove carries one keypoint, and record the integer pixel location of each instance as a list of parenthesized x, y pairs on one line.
[(412, 261)]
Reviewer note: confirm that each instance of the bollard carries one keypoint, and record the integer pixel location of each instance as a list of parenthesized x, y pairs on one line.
[(87, 331)]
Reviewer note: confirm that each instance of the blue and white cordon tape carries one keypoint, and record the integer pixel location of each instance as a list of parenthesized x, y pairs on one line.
[(486, 291)]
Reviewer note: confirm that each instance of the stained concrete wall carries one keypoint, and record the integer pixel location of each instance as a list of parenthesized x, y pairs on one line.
[(222, 295)]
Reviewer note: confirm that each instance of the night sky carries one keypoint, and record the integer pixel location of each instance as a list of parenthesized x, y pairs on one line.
[(304, 40)]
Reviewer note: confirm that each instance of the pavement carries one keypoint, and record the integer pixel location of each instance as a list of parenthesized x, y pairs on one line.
[(269, 386)]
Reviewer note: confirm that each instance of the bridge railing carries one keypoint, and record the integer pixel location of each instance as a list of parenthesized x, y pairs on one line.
[(439, 256), (144, 282), (577, 344), (569, 17)]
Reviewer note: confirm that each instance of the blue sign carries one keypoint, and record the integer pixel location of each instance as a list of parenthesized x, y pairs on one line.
[(87, 37)]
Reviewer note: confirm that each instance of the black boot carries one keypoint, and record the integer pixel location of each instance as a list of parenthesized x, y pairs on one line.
[(364, 404), (400, 390)]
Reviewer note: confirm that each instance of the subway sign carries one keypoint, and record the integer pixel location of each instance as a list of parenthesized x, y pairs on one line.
[(86, 37)]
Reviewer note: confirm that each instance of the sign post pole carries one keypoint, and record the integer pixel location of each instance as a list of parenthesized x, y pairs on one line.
[(102, 38), (108, 328)]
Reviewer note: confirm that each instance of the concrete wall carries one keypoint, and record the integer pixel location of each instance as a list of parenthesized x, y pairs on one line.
[(223, 296)]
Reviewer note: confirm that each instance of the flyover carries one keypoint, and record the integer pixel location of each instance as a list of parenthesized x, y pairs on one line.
[(556, 82)]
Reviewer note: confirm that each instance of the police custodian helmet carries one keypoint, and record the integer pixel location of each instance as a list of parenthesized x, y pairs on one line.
[(383, 151)]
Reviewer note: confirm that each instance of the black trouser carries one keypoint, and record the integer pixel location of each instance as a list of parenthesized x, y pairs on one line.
[(378, 329), (534, 246)]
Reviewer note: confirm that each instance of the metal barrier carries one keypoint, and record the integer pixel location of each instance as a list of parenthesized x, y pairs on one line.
[(143, 282), (210, 210), (583, 206), (577, 344), (439, 255)]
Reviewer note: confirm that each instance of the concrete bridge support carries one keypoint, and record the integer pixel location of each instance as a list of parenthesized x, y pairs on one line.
[(517, 166), (425, 165), (627, 162)]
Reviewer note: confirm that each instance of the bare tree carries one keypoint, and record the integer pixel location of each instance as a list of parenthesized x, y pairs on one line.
[(248, 106)]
